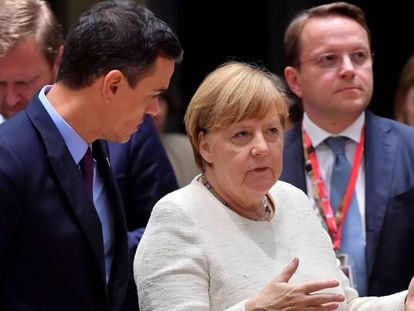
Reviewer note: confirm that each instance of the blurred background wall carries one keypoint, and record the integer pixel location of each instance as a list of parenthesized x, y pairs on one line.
[(214, 31)]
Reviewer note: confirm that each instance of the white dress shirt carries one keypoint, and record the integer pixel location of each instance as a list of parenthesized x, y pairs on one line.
[(326, 159)]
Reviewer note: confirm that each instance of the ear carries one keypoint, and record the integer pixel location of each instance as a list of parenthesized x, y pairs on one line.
[(111, 83), (292, 77), (57, 61), (204, 148)]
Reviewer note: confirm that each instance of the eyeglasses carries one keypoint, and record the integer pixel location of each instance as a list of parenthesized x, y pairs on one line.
[(334, 61)]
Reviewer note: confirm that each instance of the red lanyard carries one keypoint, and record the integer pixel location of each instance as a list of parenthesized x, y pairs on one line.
[(333, 220)]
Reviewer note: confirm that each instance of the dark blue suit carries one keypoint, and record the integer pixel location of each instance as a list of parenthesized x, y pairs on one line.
[(52, 255), (144, 175), (143, 172), (389, 173)]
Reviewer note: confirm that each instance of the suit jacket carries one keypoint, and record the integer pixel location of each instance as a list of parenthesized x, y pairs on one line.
[(389, 173), (52, 255), (143, 172), (144, 175)]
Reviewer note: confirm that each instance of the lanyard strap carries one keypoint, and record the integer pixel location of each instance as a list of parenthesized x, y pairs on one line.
[(334, 221)]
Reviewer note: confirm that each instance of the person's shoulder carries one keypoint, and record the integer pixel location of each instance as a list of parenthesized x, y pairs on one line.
[(11, 130), (183, 203), (284, 186), (290, 200), (285, 189), (294, 132), (183, 197), (175, 140), (175, 136), (389, 126)]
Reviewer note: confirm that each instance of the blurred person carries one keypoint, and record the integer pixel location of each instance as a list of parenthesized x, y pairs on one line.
[(31, 45), (63, 236), (404, 97), (357, 168), (236, 238), (294, 104), (176, 145), (295, 113)]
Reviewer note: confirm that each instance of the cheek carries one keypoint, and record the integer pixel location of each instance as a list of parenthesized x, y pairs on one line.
[(276, 155), (232, 162), (365, 77), (410, 100), (29, 92), (313, 85), (409, 108)]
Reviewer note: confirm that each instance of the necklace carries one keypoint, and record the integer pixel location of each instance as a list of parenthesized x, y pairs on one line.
[(267, 209)]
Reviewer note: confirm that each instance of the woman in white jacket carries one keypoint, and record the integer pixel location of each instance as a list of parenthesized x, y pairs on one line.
[(236, 238)]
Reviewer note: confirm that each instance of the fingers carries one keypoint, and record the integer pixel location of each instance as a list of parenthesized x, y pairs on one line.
[(326, 307), (409, 301), (319, 300), (314, 286), (279, 294), (288, 271)]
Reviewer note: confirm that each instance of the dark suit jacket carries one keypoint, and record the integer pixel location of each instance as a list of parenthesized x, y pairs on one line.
[(389, 173), (143, 172), (144, 175), (52, 255)]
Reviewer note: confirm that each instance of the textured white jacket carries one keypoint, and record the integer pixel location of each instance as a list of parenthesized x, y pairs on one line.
[(197, 254)]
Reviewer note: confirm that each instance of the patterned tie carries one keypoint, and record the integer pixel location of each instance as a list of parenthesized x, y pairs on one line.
[(352, 236), (86, 165)]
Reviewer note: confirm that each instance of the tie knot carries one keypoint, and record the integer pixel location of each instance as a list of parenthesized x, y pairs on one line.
[(337, 144)]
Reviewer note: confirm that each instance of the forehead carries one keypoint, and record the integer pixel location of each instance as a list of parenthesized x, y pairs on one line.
[(271, 117), (333, 32), (24, 59)]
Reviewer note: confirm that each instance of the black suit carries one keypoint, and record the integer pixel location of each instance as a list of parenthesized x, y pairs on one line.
[(52, 255)]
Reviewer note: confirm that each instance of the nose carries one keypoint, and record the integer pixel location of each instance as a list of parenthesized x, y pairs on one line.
[(260, 145), (11, 97), (153, 107), (347, 69)]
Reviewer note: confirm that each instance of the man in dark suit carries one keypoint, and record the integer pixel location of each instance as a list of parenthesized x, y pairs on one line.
[(62, 247), (28, 62), (144, 174), (329, 60)]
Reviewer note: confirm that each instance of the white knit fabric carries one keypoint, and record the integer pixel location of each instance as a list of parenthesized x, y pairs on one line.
[(196, 254)]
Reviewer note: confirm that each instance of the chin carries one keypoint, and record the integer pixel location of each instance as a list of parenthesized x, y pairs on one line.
[(121, 138), (262, 180), (263, 186)]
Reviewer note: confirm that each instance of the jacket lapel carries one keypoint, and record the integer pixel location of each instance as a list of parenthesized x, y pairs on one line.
[(380, 146), (69, 179)]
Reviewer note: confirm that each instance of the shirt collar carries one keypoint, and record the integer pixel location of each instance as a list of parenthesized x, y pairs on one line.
[(74, 142), (318, 135)]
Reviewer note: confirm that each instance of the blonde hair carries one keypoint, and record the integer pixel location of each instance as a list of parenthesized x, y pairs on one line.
[(232, 93), (21, 19)]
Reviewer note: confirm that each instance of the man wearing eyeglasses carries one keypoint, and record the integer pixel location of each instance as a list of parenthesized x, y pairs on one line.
[(340, 144)]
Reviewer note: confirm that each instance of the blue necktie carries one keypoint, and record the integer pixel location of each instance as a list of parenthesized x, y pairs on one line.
[(352, 235)]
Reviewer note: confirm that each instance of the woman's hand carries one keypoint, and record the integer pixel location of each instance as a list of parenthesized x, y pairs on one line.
[(280, 295), (409, 301)]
